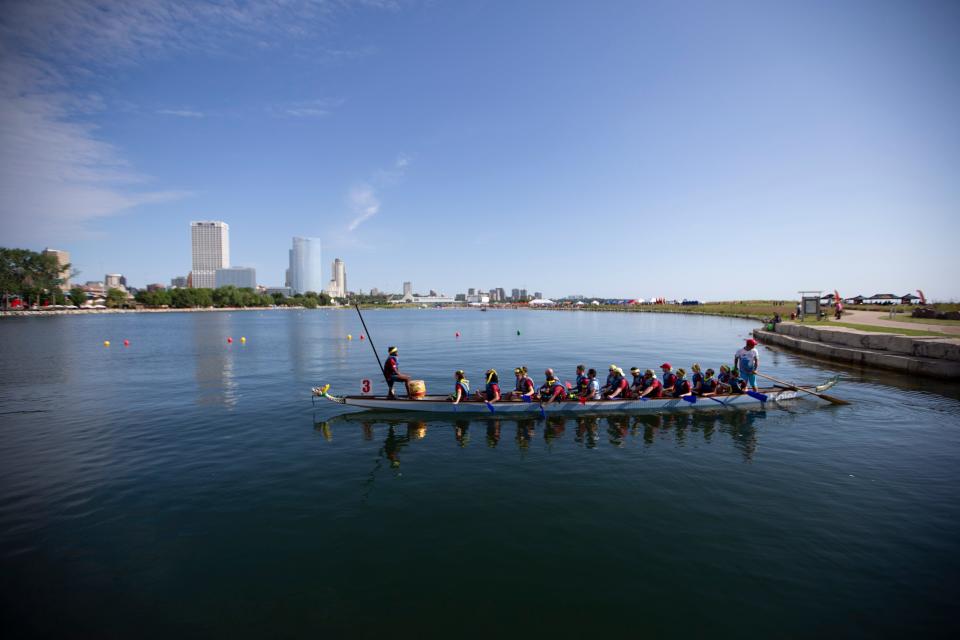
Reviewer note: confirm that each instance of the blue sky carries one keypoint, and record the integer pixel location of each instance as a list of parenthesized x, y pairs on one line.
[(684, 149)]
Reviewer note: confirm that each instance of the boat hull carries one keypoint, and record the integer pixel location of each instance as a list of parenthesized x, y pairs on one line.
[(440, 404)]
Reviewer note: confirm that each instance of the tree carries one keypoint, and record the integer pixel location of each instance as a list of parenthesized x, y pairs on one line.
[(310, 303), (77, 296), (28, 273), (116, 298)]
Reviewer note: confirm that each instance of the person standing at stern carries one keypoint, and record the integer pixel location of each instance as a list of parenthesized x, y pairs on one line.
[(747, 360)]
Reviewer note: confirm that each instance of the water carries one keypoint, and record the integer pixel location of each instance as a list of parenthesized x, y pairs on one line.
[(184, 485)]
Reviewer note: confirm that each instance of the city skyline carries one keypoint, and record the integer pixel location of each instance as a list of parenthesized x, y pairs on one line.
[(802, 143)]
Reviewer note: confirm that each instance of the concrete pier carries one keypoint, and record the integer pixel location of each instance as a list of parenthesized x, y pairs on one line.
[(925, 356)]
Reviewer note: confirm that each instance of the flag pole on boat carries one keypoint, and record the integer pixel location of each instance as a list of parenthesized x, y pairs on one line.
[(370, 340)]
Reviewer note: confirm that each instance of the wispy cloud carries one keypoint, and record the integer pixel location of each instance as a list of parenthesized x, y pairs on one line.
[(364, 203), (181, 113), (56, 170), (316, 108), (363, 199)]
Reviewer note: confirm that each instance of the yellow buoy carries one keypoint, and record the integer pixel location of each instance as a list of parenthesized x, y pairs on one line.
[(349, 336), (243, 340), (106, 343)]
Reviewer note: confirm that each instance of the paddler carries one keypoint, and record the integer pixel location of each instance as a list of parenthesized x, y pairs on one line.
[(461, 390), (681, 387), (637, 386), (708, 386), (723, 379), (669, 378), (618, 386), (696, 377), (747, 360), (737, 384), (391, 372), (583, 380), (593, 386), (652, 387), (552, 389), (524, 386), (492, 391)]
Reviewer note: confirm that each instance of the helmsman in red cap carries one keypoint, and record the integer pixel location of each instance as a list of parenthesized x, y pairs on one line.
[(747, 360)]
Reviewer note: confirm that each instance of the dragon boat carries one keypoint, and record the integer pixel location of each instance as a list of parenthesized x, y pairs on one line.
[(442, 404)]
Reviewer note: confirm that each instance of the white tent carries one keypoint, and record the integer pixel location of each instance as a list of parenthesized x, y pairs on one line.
[(542, 302)]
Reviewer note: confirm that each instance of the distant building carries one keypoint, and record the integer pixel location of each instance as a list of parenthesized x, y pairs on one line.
[(515, 294), (155, 287), (472, 291), (523, 294), (95, 288), (63, 259), (374, 291), (537, 295), (210, 243), (306, 266), (460, 297), (501, 294), (179, 282), (114, 281), (407, 292), (337, 288), (286, 291), (239, 277)]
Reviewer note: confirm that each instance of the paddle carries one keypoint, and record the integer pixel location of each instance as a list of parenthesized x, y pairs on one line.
[(796, 388), (490, 406), (690, 399), (762, 397), (715, 400)]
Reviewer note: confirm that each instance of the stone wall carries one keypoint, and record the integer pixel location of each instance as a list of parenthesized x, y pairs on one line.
[(927, 356)]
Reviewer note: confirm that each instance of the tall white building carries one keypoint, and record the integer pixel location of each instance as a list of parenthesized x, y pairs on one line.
[(338, 280), (210, 241), (63, 258), (306, 267)]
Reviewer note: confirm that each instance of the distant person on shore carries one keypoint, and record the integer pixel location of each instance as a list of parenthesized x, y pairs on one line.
[(492, 391), (461, 389), (552, 389), (669, 378), (838, 310), (652, 387), (524, 385), (391, 372), (747, 360)]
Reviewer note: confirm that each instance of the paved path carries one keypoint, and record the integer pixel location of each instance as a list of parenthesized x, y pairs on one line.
[(882, 319)]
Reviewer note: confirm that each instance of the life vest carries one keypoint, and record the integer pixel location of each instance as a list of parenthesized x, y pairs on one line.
[(493, 390), (746, 362), (582, 382), (464, 387), (390, 367), (611, 379), (669, 379), (738, 385), (525, 385), (682, 387), (724, 377), (657, 387), (708, 385), (593, 389), (552, 386), (696, 379), (637, 382)]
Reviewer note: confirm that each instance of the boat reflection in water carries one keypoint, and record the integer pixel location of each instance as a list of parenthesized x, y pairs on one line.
[(670, 429)]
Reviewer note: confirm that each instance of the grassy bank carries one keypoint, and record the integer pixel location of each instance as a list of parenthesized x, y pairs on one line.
[(752, 309), (877, 329)]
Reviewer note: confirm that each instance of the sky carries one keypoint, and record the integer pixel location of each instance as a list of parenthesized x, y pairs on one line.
[(685, 149)]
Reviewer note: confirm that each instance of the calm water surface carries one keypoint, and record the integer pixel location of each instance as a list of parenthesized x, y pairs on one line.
[(187, 486)]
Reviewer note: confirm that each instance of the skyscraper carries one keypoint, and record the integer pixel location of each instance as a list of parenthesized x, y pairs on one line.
[(63, 258), (306, 267), (240, 277), (210, 240), (338, 280)]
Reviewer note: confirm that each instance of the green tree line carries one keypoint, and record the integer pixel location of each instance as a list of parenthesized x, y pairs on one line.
[(228, 296), (32, 276)]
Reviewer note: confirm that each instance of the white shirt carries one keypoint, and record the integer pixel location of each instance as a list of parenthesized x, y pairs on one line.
[(749, 357)]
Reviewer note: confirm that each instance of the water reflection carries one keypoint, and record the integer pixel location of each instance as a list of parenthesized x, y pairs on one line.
[(216, 382), (673, 429)]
